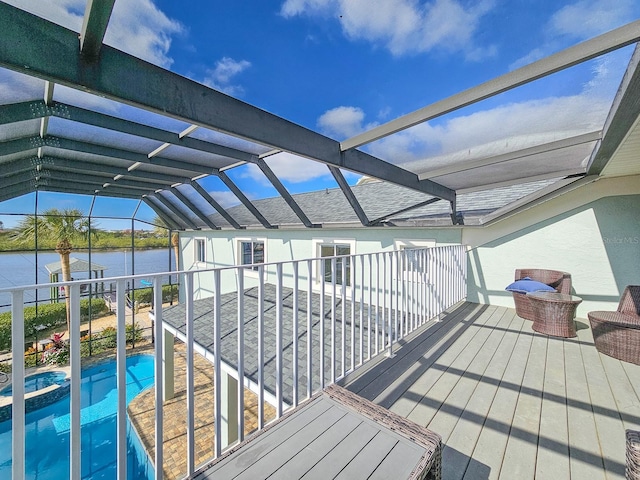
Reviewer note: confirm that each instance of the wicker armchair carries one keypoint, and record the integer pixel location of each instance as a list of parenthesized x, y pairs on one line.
[(617, 334), (561, 281), (633, 455)]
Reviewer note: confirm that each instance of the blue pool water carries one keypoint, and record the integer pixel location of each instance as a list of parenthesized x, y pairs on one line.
[(47, 429), (38, 382)]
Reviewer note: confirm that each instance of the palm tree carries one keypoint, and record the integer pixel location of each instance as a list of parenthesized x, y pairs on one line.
[(62, 227), (160, 228)]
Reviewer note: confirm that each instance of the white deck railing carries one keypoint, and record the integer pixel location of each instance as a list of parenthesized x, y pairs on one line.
[(363, 308)]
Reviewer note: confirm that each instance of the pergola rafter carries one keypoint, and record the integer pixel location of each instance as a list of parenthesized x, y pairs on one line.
[(126, 157)]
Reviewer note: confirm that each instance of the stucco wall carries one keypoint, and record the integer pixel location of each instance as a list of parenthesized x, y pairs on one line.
[(283, 245), (592, 232), (597, 241)]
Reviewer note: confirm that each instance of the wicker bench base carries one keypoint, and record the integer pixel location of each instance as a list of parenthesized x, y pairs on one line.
[(617, 335), (633, 455)]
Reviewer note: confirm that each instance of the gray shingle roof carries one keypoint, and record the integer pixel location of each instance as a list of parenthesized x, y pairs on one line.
[(204, 334), (378, 199)]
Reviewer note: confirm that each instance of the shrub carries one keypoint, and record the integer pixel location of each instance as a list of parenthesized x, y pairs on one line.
[(145, 295), (98, 306), (108, 338), (30, 357), (51, 315), (134, 333)]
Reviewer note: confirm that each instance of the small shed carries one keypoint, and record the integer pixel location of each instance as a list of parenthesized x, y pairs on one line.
[(76, 265)]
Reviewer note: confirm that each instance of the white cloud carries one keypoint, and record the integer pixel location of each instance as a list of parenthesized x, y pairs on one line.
[(341, 122), (221, 76), (580, 21), (516, 126), (295, 169), (68, 13), (404, 26), (226, 199), (290, 168), (137, 27), (587, 18), (513, 125)]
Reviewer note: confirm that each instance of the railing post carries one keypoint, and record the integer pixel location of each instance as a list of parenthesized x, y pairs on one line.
[(278, 334), (343, 315), (370, 308), (168, 362), (17, 377), (401, 290), (333, 319), (352, 259), (121, 378), (390, 320), (217, 362), (294, 334), (377, 342), (309, 329), (322, 327), (260, 347), (361, 358), (240, 354), (190, 383), (158, 369)]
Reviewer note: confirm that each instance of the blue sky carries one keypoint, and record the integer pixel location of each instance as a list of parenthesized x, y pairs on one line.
[(342, 66)]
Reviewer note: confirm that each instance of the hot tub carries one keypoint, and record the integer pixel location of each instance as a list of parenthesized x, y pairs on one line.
[(36, 382)]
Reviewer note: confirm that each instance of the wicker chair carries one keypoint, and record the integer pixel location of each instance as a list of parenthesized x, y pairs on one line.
[(633, 455), (561, 281), (617, 334)]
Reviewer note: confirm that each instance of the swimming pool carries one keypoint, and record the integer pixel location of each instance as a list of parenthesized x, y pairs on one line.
[(38, 381), (47, 429)]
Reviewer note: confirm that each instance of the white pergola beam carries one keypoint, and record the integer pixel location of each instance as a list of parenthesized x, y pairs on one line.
[(506, 157), (579, 53), (94, 26), (50, 52)]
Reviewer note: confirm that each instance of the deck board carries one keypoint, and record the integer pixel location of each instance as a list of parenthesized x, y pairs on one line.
[(606, 415), (520, 456), (580, 420), (508, 401), (464, 438), (553, 460)]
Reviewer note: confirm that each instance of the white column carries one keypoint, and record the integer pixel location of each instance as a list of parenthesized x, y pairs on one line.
[(167, 365), (229, 409)]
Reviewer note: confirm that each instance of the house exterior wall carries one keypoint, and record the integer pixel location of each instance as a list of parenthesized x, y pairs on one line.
[(282, 245), (592, 232)]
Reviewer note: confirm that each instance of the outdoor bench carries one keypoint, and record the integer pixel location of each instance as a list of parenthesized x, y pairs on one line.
[(334, 432)]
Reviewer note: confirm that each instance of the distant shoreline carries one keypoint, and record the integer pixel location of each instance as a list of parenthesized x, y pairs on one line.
[(86, 250)]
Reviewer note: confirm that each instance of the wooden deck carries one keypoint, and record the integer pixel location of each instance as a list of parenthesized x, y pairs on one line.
[(508, 402)]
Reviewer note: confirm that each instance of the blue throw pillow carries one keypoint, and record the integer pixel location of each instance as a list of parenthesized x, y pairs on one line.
[(526, 285)]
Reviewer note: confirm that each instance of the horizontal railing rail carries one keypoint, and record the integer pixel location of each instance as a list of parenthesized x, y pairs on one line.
[(284, 330)]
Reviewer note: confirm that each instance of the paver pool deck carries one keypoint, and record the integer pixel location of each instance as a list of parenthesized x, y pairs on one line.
[(142, 416)]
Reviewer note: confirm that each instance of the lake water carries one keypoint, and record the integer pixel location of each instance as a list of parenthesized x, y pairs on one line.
[(20, 268)]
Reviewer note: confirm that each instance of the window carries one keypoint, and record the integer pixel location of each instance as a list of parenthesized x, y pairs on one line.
[(332, 250), (413, 261), (251, 252), (200, 252)]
